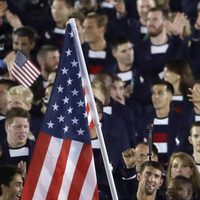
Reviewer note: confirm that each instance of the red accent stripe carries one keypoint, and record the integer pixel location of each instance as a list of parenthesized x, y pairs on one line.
[(82, 166), (57, 178), (160, 137), (94, 69), (36, 165), (178, 110)]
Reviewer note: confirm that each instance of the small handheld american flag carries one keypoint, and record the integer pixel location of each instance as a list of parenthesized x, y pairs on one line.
[(24, 71)]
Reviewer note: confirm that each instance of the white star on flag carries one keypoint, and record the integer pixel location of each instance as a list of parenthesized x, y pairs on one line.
[(68, 52), (69, 81), (74, 120), (65, 129), (64, 71), (60, 89), (74, 63), (80, 131), (71, 34), (74, 92), (50, 124), (80, 103), (79, 74), (70, 110), (55, 106), (61, 118), (65, 100)]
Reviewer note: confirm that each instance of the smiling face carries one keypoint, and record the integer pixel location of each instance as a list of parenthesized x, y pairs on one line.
[(17, 132), (14, 190), (150, 180), (91, 31)]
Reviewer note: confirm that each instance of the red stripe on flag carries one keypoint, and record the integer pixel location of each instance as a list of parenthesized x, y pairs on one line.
[(96, 194), (91, 125), (34, 68), (56, 181), (27, 69), (36, 165), (87, 108), (80, 172), (160, 137)]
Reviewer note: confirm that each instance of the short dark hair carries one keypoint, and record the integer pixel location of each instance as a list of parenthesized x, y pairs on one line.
[(153, 164), (7, 172), (119, 41), (182, 68), (164, 12), (154, 148), (26, 31), (101, 19), (197, 123), (16, 112), (46, 48), (169, 86)]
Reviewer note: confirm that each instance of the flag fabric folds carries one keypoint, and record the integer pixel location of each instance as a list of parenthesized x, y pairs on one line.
[(24, 71), (62, 166)]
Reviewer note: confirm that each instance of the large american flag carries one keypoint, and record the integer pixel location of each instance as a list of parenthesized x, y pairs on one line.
[(23, 70), (62, 166)]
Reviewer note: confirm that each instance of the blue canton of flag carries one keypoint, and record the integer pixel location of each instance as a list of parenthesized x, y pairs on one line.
[(66, 115)]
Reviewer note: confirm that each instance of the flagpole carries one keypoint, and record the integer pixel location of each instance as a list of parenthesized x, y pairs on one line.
[(93, 108)]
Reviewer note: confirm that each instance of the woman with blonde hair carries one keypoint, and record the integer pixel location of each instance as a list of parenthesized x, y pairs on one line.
[(182, 164)]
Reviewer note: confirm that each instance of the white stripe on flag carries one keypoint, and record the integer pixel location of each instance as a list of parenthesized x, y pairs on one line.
[(90, 182), (26, 70), (48, 168), (34, 68), (23, 74), (29, 72), (20, 77), (74, 153)]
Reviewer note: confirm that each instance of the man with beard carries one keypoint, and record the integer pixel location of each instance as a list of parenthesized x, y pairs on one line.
[(156, 50), (194, 139), (180, 188), (48, 58), (150, 180), (11, 183)]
